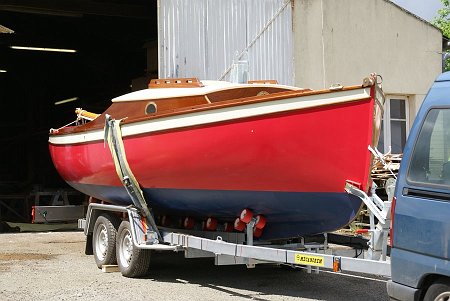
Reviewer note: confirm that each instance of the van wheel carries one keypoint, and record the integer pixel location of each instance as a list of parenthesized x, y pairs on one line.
[(133, 262), (104, 239), (438, 291)]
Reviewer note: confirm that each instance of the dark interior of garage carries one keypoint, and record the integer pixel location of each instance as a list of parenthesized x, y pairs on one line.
[(110, 39)]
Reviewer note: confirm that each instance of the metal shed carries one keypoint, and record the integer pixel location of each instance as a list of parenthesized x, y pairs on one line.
[(201, 38)]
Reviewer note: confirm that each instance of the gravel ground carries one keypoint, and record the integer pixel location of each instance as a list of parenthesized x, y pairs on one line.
[(52, 266)]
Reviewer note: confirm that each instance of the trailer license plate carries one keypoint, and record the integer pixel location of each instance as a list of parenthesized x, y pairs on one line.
[(309, 260)]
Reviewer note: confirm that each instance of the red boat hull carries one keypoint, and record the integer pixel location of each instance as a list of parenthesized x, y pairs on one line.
[(291, 166)]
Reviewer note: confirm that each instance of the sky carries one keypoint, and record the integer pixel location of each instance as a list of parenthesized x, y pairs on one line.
[(426, 9)]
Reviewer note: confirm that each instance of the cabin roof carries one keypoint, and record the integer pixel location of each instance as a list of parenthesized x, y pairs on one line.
[(209, 87)]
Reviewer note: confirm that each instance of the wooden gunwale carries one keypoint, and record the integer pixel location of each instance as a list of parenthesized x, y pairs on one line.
[(99, 122)]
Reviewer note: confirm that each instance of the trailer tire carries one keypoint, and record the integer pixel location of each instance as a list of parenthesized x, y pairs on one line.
[(104, 239), (133, 262), (439, 290)]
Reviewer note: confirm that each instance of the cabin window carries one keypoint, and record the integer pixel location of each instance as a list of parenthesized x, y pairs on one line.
[(395, 125), (150, 108)]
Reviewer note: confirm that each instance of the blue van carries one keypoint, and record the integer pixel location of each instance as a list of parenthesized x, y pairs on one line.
[(420, 214)]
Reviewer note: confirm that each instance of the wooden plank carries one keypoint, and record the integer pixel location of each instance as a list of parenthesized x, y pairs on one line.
[(110, 268)]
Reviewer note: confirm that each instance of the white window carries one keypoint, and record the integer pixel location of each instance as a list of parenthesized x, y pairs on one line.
[(395, 126)]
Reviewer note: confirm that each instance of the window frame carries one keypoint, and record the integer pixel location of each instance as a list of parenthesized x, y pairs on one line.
[(417, 183), (387, 134)]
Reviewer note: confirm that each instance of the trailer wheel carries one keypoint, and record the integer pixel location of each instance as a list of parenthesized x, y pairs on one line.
[(133, 262), (104, 239), (438, 291)]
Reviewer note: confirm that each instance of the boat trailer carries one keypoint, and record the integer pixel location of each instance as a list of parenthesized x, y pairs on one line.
[(138, 233), (229, 248)]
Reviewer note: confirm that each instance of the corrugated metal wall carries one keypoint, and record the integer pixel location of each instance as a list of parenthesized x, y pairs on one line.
[(200, 38)]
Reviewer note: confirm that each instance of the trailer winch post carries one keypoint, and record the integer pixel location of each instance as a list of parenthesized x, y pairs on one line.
[(380, 210)]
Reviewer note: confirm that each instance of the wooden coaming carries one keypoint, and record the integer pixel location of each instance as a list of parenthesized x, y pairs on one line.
[(239, 93), (264, 81), (134, 111)]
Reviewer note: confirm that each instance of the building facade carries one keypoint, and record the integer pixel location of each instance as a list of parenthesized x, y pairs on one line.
[(307, 43), (354, 37)]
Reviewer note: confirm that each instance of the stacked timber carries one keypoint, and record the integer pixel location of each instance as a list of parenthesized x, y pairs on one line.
[(382, 172)]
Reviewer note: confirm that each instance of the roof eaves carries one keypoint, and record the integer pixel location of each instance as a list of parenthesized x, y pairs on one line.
[(415, 16)]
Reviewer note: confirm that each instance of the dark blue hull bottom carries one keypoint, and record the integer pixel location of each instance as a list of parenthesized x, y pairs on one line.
[(288, 214)]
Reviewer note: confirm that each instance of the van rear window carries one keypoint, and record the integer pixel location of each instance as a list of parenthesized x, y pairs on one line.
[(430, 161)]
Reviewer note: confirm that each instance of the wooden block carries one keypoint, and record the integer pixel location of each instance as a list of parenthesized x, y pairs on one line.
[(110, 268)]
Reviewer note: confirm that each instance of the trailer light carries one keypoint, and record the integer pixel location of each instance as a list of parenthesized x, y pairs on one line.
[(337, 264), (391, 227)]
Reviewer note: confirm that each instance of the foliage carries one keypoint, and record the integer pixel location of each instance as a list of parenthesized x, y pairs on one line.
[(443, 22)]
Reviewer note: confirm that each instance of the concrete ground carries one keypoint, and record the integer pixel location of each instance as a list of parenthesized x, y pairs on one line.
[(52, 266)]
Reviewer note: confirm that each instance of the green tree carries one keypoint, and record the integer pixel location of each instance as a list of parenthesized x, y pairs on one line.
[(443, 22)]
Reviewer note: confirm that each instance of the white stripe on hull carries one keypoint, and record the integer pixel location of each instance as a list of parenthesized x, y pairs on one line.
[(218, 115)]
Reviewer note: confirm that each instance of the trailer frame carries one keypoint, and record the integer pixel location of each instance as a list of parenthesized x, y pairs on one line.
[(230, 248)]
